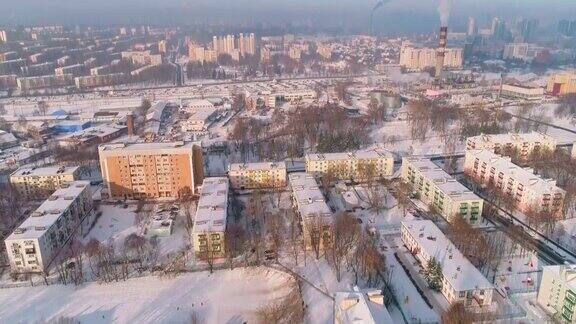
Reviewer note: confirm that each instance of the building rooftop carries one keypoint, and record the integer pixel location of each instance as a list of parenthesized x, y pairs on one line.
[(236, 167), (361, 154), (525, 176), (212, 207), (308, 196), (48, 213), (456, 268), (532, 137), (202, 114), (365, 307), (44, 171), (445, 182), (146, 148), (98, 131)]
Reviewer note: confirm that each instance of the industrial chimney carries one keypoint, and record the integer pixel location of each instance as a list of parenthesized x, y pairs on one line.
[(130, 124), (441, 52)]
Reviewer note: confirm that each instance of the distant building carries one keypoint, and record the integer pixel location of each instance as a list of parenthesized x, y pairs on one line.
[(354, 165), (366, 307), (47, 81), (461, 281), (92, 81), (93, 136), (34, 244), (557, 292), (527, 190), (209, 229), (39, 183), (437, 188), (257, 175), (524, 144), (325, 51), (413, 58), (517, 91), (70, 126), (561, 84), (76, 70), (151, 170), (316, 217), (142, 58)]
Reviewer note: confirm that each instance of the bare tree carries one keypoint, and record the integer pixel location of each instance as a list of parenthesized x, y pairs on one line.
[(345, 234)]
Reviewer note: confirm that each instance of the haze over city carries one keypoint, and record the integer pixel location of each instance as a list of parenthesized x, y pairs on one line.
[(299, 161)]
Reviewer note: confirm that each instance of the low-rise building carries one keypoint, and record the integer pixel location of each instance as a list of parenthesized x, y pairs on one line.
[(91, 81), (208, 231), (528, 191), (561, 84), (517, 91), (461, 281), (437, 188), (76, 70), (46, 81), (524, 144), (557, 292), (39, 183), (199, 120), (94, 135), (257, 175), (356, 165), (142, 58), (37, 241), (315, 215), (366, 306)]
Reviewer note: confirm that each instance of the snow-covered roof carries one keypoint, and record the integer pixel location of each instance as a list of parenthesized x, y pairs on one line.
[(237, 167), (442, 180), (362, 307), (456, 268), (356, 155), (147, 148), (309, 198), (44, 171), (50, 211), (212, 207), (532, 137)]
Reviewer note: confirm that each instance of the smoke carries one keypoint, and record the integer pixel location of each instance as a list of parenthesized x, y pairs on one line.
[(379, 4), (444, 10)]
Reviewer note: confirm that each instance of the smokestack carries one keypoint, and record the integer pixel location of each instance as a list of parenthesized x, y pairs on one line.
[(130, 124), (440, 52)]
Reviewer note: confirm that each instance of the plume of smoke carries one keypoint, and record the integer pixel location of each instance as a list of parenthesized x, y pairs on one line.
[(444, 10), (379, 4)]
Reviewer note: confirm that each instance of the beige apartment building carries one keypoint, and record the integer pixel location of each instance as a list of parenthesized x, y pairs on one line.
[(208, 232), (557, 292), (352, 165), (527, 190), (35, 243), (151, 170), (39, 183), (437, 188), (257, 175), (561, 84), (524, 144)]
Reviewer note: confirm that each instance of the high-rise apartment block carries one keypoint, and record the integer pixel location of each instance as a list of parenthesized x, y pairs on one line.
[(437, 188), (151, 170), (413, 58), (39, 183), (36, 242), (528, 191), (257, 175)]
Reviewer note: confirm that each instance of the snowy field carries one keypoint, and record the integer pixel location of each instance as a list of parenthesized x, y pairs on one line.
[(228, 296)]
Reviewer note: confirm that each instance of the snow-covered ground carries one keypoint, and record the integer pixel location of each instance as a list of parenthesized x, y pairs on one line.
[(228, 296), (115, 224)]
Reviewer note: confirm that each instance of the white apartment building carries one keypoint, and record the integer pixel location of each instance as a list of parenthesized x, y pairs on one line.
[(257, 175), (208, 231), (315, 215), (517, 91), (36, 242), (557, 292), (461, 281), (39, 183), (352, 165), (525, 144), (437, 188), (421, 58), (528, 190), (361, 306)]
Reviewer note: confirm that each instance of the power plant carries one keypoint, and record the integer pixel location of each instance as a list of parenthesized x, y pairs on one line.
[(441, 52)]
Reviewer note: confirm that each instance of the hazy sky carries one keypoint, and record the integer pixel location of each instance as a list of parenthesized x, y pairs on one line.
[(412, 15)]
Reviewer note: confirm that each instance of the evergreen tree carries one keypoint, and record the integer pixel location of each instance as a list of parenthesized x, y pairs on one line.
[(433, 275)]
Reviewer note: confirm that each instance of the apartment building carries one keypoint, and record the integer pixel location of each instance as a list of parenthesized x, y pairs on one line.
[(561, 84), (46, 81), (151, 170), (142, 58), (461, 281), (75, 70), (257, 175), (437, 188), (91, 81), (39, 183), (361, 306), (524, 144), (208, 232), (36, 242), (352, 165), (315, 216), (557, 292), (519, 91), (413, 58), (528, 190)]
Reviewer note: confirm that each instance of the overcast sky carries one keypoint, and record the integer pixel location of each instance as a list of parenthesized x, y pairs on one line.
[(402, 14)]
